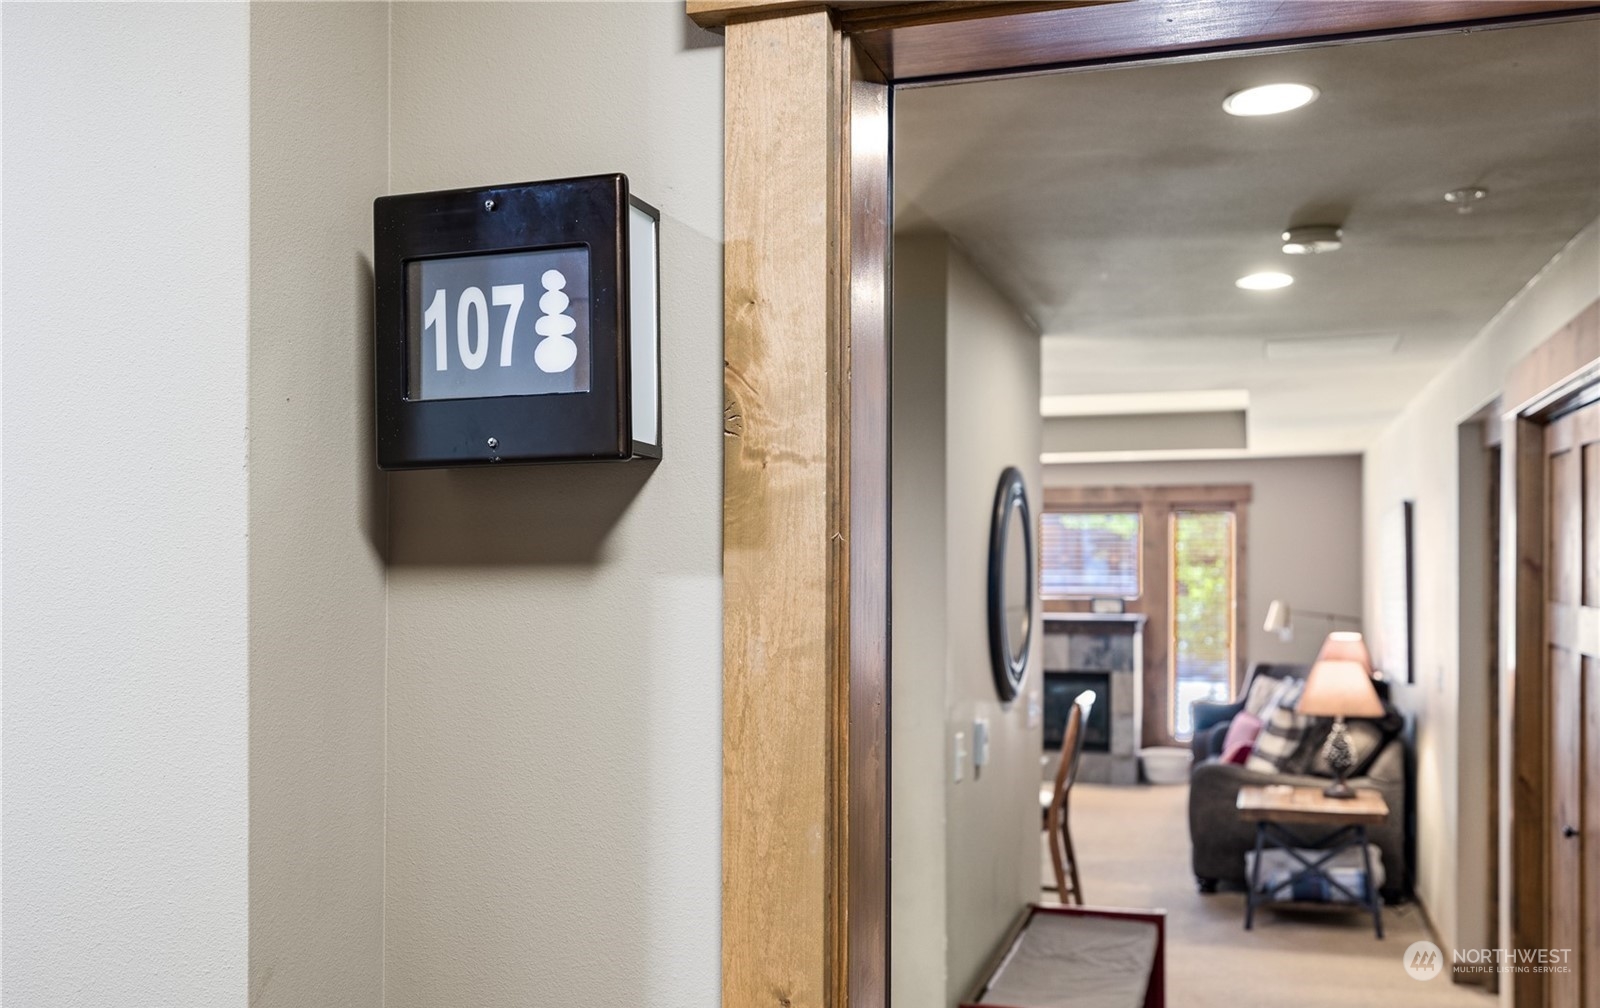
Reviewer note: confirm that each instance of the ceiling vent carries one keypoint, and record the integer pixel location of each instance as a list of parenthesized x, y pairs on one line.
[(1310, 239)]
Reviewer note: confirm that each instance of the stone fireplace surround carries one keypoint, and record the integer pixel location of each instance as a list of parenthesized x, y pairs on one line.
[(1111, 644)]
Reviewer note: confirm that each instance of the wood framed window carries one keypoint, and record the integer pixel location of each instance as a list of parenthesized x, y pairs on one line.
[(1187, 577)]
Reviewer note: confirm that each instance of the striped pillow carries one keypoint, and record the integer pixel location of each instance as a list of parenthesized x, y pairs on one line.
[(1281, 730), (1262, 689)]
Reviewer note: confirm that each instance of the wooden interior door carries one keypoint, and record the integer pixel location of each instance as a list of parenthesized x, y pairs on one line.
[(1572, 607)]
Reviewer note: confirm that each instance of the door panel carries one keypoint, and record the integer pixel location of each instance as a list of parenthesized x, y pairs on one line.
[(1572, 608), (1566, 797), (1590, 879)]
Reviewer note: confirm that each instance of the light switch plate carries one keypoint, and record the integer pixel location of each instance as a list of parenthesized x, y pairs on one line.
[(958, 752)]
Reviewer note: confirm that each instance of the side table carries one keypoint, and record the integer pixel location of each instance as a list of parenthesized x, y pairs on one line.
[(1273, 809)]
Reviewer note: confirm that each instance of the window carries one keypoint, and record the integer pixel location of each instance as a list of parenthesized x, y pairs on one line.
[(1089, 554), (1202, 611), (1171, 554)]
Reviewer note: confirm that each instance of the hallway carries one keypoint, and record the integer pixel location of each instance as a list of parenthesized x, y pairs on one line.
[(1133, 846)]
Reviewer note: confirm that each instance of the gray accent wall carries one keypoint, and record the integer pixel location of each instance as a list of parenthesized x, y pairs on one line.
[(319, 154), (1303, 535), (555, 632)]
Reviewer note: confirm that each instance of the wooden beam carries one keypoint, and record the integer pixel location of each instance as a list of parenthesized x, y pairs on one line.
[(1061, 497), (1144, 28), (1526, 691), (860, 450), (782, 148), (1557, 363), (863, 15)]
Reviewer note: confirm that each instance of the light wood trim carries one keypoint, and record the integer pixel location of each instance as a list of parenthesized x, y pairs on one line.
[(782, 150), (1568, 358)]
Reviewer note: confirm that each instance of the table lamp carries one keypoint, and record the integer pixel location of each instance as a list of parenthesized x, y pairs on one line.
[(1339, 688), (1346, 645)]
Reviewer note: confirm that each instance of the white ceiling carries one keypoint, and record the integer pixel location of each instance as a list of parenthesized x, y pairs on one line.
[(1117, 207)]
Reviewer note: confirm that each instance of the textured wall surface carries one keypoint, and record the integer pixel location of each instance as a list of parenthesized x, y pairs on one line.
[(554, 704), (919, 762), (992, 421), (318, 156), (1291, 497), (1416, 459), (965, 855), (125, 244)]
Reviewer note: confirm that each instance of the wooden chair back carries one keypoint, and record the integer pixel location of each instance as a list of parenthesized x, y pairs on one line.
[(1063, 860)]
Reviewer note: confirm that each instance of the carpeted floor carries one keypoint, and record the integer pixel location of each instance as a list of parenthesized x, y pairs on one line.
[(1133, 850)]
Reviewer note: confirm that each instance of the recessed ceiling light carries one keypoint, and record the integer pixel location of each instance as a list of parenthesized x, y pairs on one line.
[(1312, 239), (1269, 99), (1264, 281)]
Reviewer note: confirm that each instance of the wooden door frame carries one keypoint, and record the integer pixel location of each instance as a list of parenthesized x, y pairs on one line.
[(805, 494), (1563, 370)]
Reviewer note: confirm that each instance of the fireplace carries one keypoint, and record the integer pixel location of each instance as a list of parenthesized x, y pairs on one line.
[(1101, 654), (1061, 689)]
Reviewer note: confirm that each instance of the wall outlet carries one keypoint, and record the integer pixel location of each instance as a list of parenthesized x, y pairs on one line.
[(980, 744), (958, 754)]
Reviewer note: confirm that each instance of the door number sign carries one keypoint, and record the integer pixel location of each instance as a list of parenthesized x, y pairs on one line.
[(517, 324)]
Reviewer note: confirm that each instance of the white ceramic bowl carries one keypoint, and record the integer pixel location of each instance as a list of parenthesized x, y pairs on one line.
[(1165, 764)]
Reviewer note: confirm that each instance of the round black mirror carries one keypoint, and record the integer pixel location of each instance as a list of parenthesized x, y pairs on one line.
[(1010, 584)]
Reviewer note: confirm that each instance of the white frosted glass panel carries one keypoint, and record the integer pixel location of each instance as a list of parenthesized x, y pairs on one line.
[(644, 320)]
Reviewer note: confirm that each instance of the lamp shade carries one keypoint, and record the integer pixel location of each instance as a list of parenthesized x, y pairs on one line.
[(1338, 688), (1346, 645), (1278, 617)]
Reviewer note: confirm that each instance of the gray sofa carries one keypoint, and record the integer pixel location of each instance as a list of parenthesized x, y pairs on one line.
[(1220, 838)]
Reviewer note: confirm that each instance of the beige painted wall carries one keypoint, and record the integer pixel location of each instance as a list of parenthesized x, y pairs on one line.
[(1416, 459), (1303, 535), (992, 865), (554, 694), (965, 855), (919, 760), (125, 598), (318, 156)]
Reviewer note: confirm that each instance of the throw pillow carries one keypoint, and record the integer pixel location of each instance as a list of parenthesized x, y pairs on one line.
[(1280, 731), (1241, 737), (1262, 688)]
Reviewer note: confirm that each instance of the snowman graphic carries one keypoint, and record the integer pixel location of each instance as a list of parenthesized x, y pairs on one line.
[(555, 352)]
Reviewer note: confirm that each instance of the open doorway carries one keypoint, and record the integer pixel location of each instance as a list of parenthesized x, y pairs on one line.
[(1191, 432)]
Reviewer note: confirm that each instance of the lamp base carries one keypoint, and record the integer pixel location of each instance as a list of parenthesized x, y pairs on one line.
[(1339, 789)]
